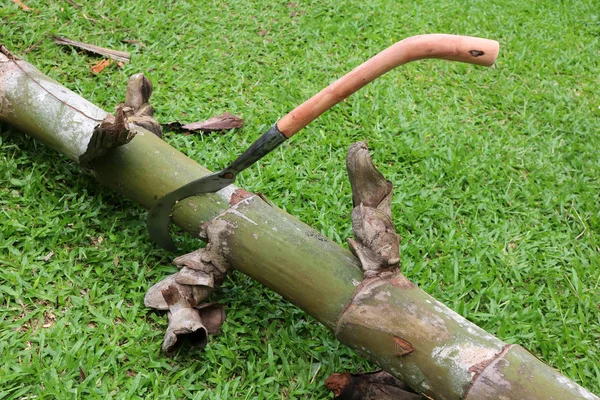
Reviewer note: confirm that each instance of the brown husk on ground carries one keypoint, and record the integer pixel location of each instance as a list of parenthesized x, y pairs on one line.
[(219, 123), (378, 385)]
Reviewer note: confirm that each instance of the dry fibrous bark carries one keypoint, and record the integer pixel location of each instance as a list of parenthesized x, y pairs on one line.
[(184, 292), (378, 385), (112, 132), (389, 320), (218, 123), (375, 241), (137, 107), (117, 130)]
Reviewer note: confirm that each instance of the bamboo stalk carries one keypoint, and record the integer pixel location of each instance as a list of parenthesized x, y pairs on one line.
[(390, 321)]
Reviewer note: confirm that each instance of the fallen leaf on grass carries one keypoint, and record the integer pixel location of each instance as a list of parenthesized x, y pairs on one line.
[(22, 6), (103, 51), (99, 67), (378, 385), (222, 122)]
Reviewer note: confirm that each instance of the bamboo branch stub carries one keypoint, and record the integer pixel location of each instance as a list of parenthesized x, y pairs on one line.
[(138, 109), (375, 241), (117, 130)]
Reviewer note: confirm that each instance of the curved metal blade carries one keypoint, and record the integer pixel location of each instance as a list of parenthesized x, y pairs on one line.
[(159, 216)]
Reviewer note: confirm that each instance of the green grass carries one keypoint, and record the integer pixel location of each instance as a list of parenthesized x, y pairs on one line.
[(497, 176)]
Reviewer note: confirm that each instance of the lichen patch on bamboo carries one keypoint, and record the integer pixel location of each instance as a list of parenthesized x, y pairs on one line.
[(35, 103), (6, 68), (519, 373), (585, 394), (242, 216), (464, 355)]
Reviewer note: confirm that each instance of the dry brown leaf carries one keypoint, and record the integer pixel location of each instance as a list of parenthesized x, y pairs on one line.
[(103, 51), (99, 67), (222, 122), (22, 6), (378, 385)]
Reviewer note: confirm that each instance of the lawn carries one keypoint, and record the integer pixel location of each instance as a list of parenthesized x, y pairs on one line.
[(496, 174)]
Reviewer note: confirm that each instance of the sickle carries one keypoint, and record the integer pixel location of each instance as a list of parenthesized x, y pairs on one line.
[(465, 49)]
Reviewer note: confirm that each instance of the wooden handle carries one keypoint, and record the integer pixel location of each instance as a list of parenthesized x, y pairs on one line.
[(466, 49)]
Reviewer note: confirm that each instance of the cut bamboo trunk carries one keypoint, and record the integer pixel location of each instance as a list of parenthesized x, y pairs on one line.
[(390, 321)]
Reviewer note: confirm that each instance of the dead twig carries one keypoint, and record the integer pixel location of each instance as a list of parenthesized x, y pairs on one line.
[(114, 54), (33, 46)]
